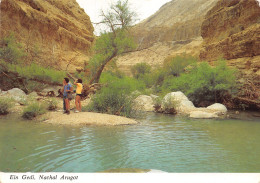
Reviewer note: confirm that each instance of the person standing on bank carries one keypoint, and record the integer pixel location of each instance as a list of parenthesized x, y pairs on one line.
[(79, 89), (67, 91)]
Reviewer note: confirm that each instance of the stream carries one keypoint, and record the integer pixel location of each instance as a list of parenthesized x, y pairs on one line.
[(163, 142)]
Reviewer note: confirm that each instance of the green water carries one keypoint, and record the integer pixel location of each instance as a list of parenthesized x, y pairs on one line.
[(162, 142)]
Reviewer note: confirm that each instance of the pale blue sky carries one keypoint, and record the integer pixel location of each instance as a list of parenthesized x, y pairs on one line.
[(144, 8)]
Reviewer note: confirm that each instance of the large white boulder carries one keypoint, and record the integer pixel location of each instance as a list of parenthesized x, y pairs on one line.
[(16, 92), (144, 103), (218, 108), (178, 101), (202, 115)]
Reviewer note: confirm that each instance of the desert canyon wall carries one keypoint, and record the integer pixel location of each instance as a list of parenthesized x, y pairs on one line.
[(174, 29), (58, 30), (231, 30)]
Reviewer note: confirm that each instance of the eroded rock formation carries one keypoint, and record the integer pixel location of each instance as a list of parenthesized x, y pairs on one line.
[(232, 30), (53, 32)]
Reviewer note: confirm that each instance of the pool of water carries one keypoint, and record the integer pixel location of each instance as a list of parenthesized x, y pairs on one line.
[(163, 142)]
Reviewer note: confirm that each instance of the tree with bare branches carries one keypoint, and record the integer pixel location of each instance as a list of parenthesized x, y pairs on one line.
[(114, 42)]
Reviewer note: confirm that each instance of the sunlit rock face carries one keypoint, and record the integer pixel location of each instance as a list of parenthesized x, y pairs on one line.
[(174, 29), (231, 30), (58, 32)]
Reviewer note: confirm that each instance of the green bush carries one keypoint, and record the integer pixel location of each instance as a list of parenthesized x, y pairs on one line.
[(176, 65), (140, 69), (34, 86), (34, 109), (115, 96), (11, 51), (36, 72), (172, 67), (12, 62), (111, 101), (5, 105), (203, 82), (126, 84)]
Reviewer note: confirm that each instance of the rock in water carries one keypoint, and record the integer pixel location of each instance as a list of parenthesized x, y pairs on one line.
[(218, 108), (183, 105), (178, 101), (144, 103), (202, 115)]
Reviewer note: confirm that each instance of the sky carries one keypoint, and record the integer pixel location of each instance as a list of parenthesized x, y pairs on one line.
[(144, 8)]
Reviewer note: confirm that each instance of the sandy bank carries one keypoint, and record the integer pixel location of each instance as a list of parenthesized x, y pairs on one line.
[(85, 118)]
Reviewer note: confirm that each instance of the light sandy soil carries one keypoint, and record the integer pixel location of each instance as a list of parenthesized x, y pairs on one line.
[(85, 118)]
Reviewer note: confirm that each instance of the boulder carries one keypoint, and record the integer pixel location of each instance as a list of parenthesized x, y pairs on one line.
[(16, 92), (182, 105), (178, 101), (218, 108), (17, 95), (144, 103), (202, 115)]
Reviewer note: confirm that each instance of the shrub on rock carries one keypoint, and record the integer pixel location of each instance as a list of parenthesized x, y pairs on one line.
[(177, 101)]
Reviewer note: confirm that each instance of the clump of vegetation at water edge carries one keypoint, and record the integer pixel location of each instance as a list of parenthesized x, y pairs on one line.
[(5, 105), (33, 110)]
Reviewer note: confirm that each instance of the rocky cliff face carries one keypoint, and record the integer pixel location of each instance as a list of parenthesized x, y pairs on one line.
[(174, 29), (231, 30), (57, 32)]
